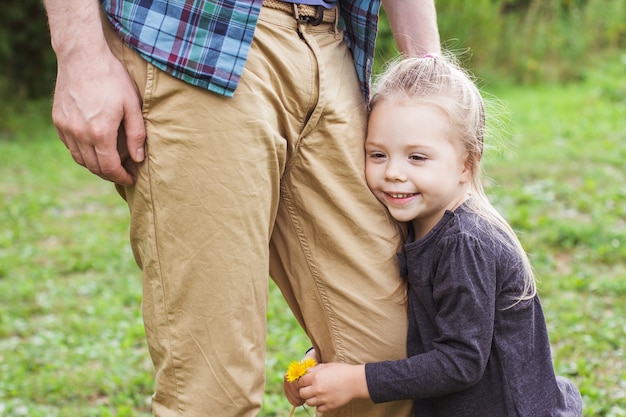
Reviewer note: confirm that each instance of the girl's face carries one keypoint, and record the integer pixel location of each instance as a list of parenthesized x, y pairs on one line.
[(413, 164)]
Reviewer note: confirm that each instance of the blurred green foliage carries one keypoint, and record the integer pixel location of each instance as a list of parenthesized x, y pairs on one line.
[(28, 66), (525, 41), (519, 40)]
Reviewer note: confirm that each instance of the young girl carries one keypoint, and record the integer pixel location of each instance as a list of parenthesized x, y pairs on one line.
[(477, 339)]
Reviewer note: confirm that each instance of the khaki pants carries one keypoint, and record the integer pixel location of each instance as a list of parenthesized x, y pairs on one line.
[(268, 182)]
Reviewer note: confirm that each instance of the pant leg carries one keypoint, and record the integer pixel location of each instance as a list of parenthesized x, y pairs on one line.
[(202, 212), (334, 245)]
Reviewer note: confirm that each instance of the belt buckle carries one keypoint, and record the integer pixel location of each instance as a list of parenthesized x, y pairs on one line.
[(311, 20)]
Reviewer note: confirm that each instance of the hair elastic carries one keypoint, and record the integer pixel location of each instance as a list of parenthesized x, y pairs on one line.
[(428, 56)]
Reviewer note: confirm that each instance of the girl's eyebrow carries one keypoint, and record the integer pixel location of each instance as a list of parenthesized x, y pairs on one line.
[(369, 142)]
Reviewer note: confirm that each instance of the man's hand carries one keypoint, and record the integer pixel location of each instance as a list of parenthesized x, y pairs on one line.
[(93, 103), (96, 109)]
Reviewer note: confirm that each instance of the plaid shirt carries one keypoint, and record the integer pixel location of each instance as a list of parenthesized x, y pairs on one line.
[(206, 43)]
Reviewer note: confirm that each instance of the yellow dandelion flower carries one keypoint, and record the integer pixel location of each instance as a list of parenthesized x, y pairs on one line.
[(309, 363), (297, 369)]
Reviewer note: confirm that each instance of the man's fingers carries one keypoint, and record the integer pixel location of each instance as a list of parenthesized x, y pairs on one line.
[(103, 161), (72, 146), (109, 166), (135, 132)]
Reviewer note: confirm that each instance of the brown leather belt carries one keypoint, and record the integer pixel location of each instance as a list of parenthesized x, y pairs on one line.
[(304, 13)]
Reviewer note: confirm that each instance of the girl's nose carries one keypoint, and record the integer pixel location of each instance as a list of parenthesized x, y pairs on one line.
[(394, 172)]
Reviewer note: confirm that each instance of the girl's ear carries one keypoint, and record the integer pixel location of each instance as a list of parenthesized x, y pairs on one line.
[(466, 173)]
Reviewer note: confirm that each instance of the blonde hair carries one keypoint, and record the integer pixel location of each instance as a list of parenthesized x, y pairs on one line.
[(440, 80)]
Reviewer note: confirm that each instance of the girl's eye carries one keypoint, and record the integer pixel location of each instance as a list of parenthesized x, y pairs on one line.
[(377, 155), (417, 158)]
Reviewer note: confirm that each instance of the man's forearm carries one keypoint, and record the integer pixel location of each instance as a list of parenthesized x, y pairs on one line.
[(75, 26), (414, 26)]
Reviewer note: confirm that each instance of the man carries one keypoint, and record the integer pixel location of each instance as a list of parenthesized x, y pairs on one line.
[(234, 129)]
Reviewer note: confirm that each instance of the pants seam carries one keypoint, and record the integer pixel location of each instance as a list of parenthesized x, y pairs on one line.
[(304, 246), (151, 73)]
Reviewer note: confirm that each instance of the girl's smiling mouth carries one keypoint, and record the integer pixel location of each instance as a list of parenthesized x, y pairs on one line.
[(400, 198)]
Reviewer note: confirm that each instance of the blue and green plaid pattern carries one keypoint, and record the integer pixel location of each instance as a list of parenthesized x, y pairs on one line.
[(206, 43)]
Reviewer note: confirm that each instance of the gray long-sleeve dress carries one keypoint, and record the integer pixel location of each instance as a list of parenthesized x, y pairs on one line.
[(471, 353)]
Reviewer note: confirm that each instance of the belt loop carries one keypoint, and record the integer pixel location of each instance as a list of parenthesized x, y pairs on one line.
[(296, 15), (338, 35)]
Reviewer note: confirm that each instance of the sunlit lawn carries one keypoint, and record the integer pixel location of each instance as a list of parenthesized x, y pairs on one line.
[(71, 337)]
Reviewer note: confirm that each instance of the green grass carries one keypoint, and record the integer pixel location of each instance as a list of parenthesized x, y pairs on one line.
[(71, 337), (560, 181)]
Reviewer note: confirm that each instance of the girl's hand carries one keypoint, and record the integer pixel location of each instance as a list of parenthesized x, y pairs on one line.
[(332, 385), (291, 389)]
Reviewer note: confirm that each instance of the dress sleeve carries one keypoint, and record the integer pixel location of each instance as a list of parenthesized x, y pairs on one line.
[(463, 308)]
